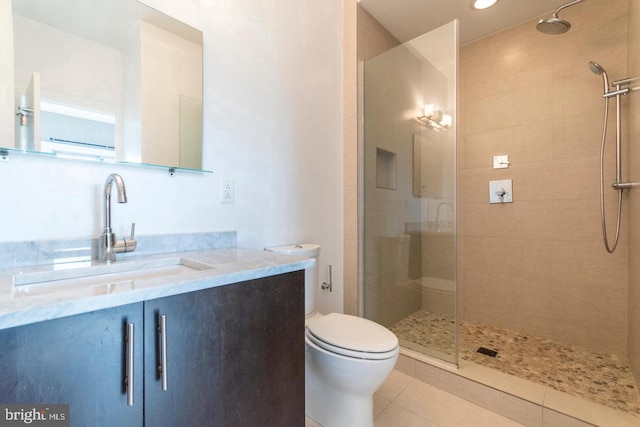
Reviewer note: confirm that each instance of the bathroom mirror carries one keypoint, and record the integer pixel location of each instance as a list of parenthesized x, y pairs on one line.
[(427, 167), (113, 81)]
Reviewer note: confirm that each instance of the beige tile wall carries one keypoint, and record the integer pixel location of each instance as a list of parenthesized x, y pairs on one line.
[(350, 166), (364, 38), (538, 265), (634, 196)]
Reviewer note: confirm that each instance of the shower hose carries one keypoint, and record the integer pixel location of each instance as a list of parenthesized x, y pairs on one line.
[(609, 247)]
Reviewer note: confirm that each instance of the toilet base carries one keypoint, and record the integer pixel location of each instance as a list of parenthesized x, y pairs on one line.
[(339, 390), (337, 410), (347, 411)]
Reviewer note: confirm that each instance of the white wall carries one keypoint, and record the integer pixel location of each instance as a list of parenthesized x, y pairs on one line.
[(272, 123)]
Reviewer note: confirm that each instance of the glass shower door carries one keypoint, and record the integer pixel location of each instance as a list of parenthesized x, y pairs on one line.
[(408, 159)]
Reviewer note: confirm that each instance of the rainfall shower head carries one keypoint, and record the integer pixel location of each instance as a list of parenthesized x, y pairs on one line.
[(599, 70), (555, 25)]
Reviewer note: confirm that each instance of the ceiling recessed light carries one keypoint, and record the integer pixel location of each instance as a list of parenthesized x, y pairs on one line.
[(482, 4)]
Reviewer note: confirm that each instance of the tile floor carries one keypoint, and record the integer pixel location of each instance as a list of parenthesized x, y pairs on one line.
[(403, 401), (599, 377)]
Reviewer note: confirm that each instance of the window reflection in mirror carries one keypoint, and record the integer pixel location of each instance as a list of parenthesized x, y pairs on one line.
[(106, 80)]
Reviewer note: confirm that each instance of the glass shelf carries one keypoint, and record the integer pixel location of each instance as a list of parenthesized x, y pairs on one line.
[(6, 153)]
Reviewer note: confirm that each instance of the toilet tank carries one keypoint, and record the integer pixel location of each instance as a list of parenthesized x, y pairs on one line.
[(305, 250)]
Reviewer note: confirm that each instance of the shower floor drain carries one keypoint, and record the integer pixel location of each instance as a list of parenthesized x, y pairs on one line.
[(487, 352)]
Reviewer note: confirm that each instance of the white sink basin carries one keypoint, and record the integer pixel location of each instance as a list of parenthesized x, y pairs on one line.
[(102, 279)]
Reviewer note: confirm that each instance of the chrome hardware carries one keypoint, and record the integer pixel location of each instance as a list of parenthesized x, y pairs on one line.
[(624, 185), (329, 285), (162, 367), (445, 204), (22, 113), (618, 184), (128, 380), (616, 93), (108, 247)]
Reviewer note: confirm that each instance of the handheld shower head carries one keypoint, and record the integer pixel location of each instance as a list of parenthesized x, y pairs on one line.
[(599, 70), (555, 25), (596, 68)]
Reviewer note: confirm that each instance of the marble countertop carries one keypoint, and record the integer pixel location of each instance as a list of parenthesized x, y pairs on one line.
[(30, 303)]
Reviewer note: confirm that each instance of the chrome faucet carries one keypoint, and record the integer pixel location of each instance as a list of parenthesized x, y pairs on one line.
[(108, 247), (438, 222)]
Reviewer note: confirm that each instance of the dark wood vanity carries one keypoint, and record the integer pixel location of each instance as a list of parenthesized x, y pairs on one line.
[(234, 357)]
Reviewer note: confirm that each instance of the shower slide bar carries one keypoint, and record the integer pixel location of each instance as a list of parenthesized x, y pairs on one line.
[(619, 184), (625, 81), (619, 91), (611, 91)]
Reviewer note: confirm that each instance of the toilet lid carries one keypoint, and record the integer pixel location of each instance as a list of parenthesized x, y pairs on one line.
[(353, 333), (308, 250)]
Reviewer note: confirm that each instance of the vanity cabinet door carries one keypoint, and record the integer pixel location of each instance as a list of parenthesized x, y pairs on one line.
[(235, 355), (77, 360)]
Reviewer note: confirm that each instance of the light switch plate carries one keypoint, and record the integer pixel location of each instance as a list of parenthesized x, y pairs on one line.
[(501, 191)]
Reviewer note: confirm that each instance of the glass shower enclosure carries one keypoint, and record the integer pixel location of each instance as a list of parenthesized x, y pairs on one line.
[(408, 221)]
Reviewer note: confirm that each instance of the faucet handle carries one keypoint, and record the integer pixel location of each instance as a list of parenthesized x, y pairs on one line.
[(129, 245)]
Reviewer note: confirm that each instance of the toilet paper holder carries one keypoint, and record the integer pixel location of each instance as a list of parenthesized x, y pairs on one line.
[(329, 285)]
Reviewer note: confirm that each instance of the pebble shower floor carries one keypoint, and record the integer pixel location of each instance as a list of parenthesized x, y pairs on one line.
[(600, 377)]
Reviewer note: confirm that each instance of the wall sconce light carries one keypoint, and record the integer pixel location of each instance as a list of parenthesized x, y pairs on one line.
[(435, 119)]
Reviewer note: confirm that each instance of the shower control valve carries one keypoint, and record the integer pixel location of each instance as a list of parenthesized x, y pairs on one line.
[(500, 191)]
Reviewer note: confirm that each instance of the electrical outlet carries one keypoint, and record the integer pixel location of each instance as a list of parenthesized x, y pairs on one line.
[(227, 191)]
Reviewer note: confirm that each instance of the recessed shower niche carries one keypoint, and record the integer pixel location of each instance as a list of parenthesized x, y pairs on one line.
[(386, 169)]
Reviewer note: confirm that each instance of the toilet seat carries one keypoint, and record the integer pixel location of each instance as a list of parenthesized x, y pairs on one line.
[(352, 336)]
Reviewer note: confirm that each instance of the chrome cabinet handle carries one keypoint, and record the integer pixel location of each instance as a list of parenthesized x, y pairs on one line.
[(162, 328), (130, 368)]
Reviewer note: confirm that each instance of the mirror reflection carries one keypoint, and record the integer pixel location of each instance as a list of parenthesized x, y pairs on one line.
[(102, 80)]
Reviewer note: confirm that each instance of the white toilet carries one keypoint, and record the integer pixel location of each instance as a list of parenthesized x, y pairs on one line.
[(346, 357)]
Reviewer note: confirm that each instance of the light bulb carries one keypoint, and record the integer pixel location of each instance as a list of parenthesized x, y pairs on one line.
[(482, 4), (428, 110)]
